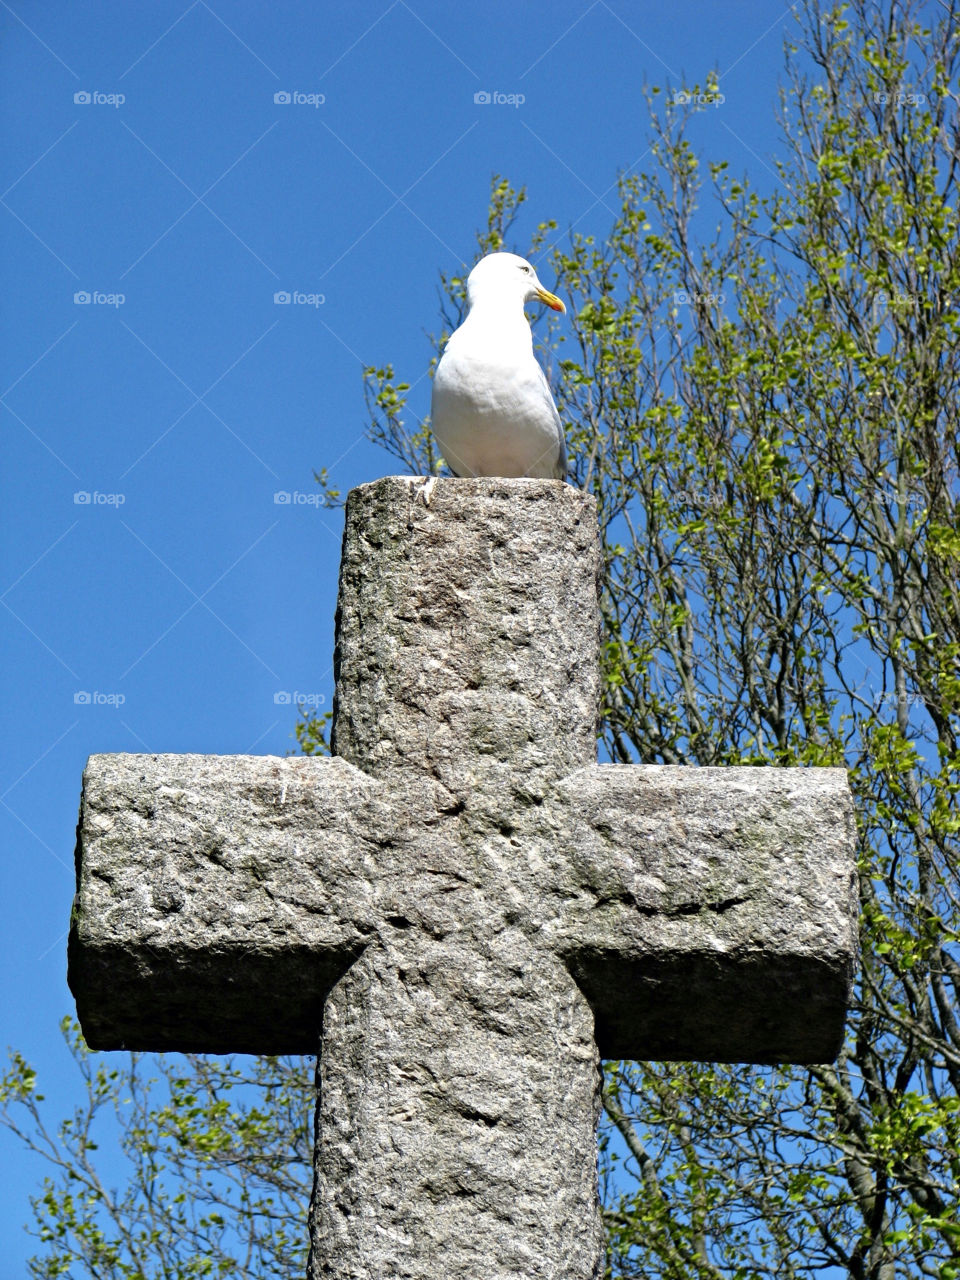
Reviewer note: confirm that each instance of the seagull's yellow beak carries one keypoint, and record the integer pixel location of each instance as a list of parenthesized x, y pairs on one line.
[(551, 299)]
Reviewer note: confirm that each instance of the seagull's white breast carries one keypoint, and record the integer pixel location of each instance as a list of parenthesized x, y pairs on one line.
[(493, 414)]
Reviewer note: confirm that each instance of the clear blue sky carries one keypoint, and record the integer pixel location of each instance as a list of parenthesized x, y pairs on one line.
[(180, 587)]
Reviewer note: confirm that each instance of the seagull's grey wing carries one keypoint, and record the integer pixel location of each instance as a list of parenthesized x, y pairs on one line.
[(561, 472), (561, 469)]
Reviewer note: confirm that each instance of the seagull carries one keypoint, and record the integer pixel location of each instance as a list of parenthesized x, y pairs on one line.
[(492, 411)]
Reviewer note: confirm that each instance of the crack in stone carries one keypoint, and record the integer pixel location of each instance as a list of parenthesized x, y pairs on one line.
[(676, 909)]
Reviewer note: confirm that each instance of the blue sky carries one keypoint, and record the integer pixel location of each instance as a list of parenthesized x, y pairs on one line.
[(156, 596)]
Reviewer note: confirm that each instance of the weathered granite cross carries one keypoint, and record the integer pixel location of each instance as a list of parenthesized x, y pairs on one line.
[(461, 908)]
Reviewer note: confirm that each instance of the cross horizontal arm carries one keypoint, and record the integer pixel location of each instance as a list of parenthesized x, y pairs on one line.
[(207, 912), (704, 913), (709, 913)]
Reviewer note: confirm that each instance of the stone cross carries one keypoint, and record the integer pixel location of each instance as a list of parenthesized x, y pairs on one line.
[(461, 910)]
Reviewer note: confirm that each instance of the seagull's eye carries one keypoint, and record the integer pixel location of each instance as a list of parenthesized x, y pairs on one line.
[(526, 269)]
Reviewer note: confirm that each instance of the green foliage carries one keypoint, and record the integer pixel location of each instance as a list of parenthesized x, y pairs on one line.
[(768, 421), (313, 733), (217, 1156)]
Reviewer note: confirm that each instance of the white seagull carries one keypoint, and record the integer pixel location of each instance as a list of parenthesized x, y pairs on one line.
[(492, 412)]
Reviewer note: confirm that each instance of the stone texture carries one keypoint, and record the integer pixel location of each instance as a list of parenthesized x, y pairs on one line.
[(207, 916), (462, 903), (468, 633), (458, 1108), (706, 913)]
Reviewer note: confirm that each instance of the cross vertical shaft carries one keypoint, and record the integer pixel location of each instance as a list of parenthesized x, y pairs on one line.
[(457, 1116), (459, 1050), (468, 634)]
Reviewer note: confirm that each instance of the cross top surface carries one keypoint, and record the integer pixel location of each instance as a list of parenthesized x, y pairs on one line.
[(460, 909)]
